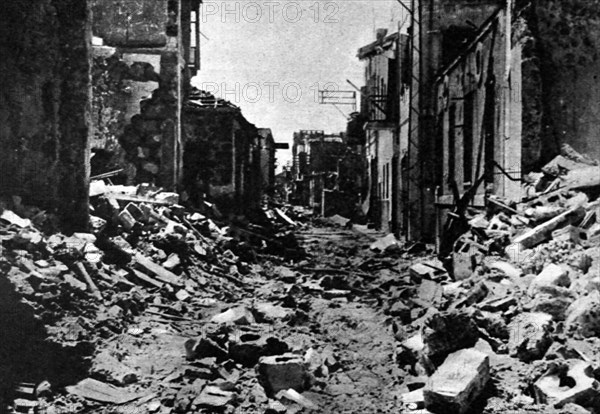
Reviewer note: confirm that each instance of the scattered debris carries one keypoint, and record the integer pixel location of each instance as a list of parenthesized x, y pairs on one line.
[(99, 391), (386, 244), (572, 383), (250, 314), (282, 372), (457, 382)]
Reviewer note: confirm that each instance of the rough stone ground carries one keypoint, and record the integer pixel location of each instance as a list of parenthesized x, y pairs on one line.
[(343, 302), (353, 330)]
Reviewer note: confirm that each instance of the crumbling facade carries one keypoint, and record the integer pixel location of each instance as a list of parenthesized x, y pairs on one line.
[(480, 120), (75, 76), (567, 41), (145, 56), (473, 111), (45, 104), (320, 164), (267, 159), (222, 154)]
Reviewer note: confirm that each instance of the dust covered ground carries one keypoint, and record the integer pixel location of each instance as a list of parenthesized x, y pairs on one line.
[(363, 332)]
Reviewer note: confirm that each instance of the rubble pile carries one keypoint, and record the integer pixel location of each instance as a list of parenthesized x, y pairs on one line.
[(513, 323), (182, 310), (144, 254)]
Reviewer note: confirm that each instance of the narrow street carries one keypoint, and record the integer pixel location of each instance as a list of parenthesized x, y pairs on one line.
[(286, 207), (348, 337), (165, 355), (298, 314)]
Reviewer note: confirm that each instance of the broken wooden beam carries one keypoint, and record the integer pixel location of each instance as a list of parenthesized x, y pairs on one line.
[(145, 278), (80, 269), (157, 271), (502, 205), (543, 232)]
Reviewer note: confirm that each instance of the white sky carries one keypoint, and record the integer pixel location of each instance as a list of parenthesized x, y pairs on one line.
[(271, 57)]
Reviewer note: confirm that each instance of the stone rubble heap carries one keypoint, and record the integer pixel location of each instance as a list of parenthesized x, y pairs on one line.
[(276, 316), (513, 313)]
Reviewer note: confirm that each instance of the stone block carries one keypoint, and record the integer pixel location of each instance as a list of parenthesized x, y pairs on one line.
[(283, 372), (553, 305), (401, 310), (127, 220), (414, 400), (410, 350), (497, 304), (247, 346), (172, 262), (457, 382), (97, 224), (430, 292), (213, 397), (204, 347), (386, 244), (529, 335), (268, 312), (237, 316), (559, 387), (448, 332), (420, 271), (508, 269), (292, 395), (583, 316), (552, 275), (135, 211)]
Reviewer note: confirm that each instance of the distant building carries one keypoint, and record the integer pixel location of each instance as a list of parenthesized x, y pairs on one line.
[(326, 172), (385, 112), (267, 159), (222, 154), (268, 150)]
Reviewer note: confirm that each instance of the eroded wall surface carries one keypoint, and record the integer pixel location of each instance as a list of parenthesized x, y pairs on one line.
[(569, 38), (45, 100), (219, 158)]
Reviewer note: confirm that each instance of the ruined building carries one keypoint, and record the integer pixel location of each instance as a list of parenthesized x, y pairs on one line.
[(326, 172), (75, 74), (222, 154), (98, 88), (384, 107), (268, 149), (145, 55), (480, 113), (45, 104)]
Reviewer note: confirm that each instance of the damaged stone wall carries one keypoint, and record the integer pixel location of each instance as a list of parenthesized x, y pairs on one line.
[(559, 87), (149, 48), (569, 39), (219, 158), (118, 86), (45, 104), (529, 88)]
